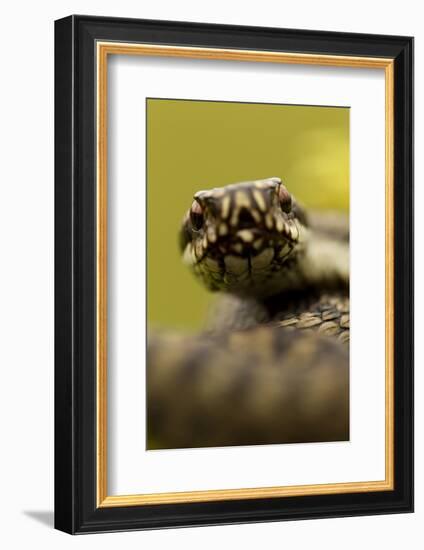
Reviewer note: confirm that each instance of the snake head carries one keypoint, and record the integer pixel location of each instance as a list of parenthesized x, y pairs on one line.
[(235, 237)]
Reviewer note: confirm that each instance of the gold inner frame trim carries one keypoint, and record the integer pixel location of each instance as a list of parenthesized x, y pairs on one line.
[(104, 49)]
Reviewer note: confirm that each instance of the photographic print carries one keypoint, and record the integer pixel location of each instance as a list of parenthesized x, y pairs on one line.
[(247, 273), (233, 334)]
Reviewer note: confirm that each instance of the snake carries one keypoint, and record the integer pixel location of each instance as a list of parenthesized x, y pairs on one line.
[(272, 364)]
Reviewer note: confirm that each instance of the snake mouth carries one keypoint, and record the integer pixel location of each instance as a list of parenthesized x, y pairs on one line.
[(243, 268), (241, 261)]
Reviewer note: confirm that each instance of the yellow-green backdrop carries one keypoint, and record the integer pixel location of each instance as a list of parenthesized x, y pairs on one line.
[(193, 145)]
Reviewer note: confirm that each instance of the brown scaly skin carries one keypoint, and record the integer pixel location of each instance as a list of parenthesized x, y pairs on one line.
[(260, 386), (273, 366)]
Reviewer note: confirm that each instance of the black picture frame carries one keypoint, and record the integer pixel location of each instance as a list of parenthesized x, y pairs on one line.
[(76, 508)]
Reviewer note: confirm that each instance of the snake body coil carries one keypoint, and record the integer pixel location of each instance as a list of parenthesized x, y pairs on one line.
[(273, 365)]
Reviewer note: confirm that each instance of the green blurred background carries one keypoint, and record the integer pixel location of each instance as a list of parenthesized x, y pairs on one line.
[(193, 145)]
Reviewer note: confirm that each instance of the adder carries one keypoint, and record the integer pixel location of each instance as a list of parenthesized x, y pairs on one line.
[(273, 364)]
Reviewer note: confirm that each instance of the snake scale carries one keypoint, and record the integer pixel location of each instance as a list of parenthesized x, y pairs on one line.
[(273, 364)]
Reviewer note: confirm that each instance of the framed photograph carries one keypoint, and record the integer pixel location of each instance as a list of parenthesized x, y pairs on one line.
[(234, 274)]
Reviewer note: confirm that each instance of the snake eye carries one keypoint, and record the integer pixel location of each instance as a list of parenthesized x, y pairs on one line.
[(196, 216), (285, 199)]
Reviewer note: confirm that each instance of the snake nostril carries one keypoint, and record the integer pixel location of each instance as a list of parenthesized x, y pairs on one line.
[(245, 218)]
